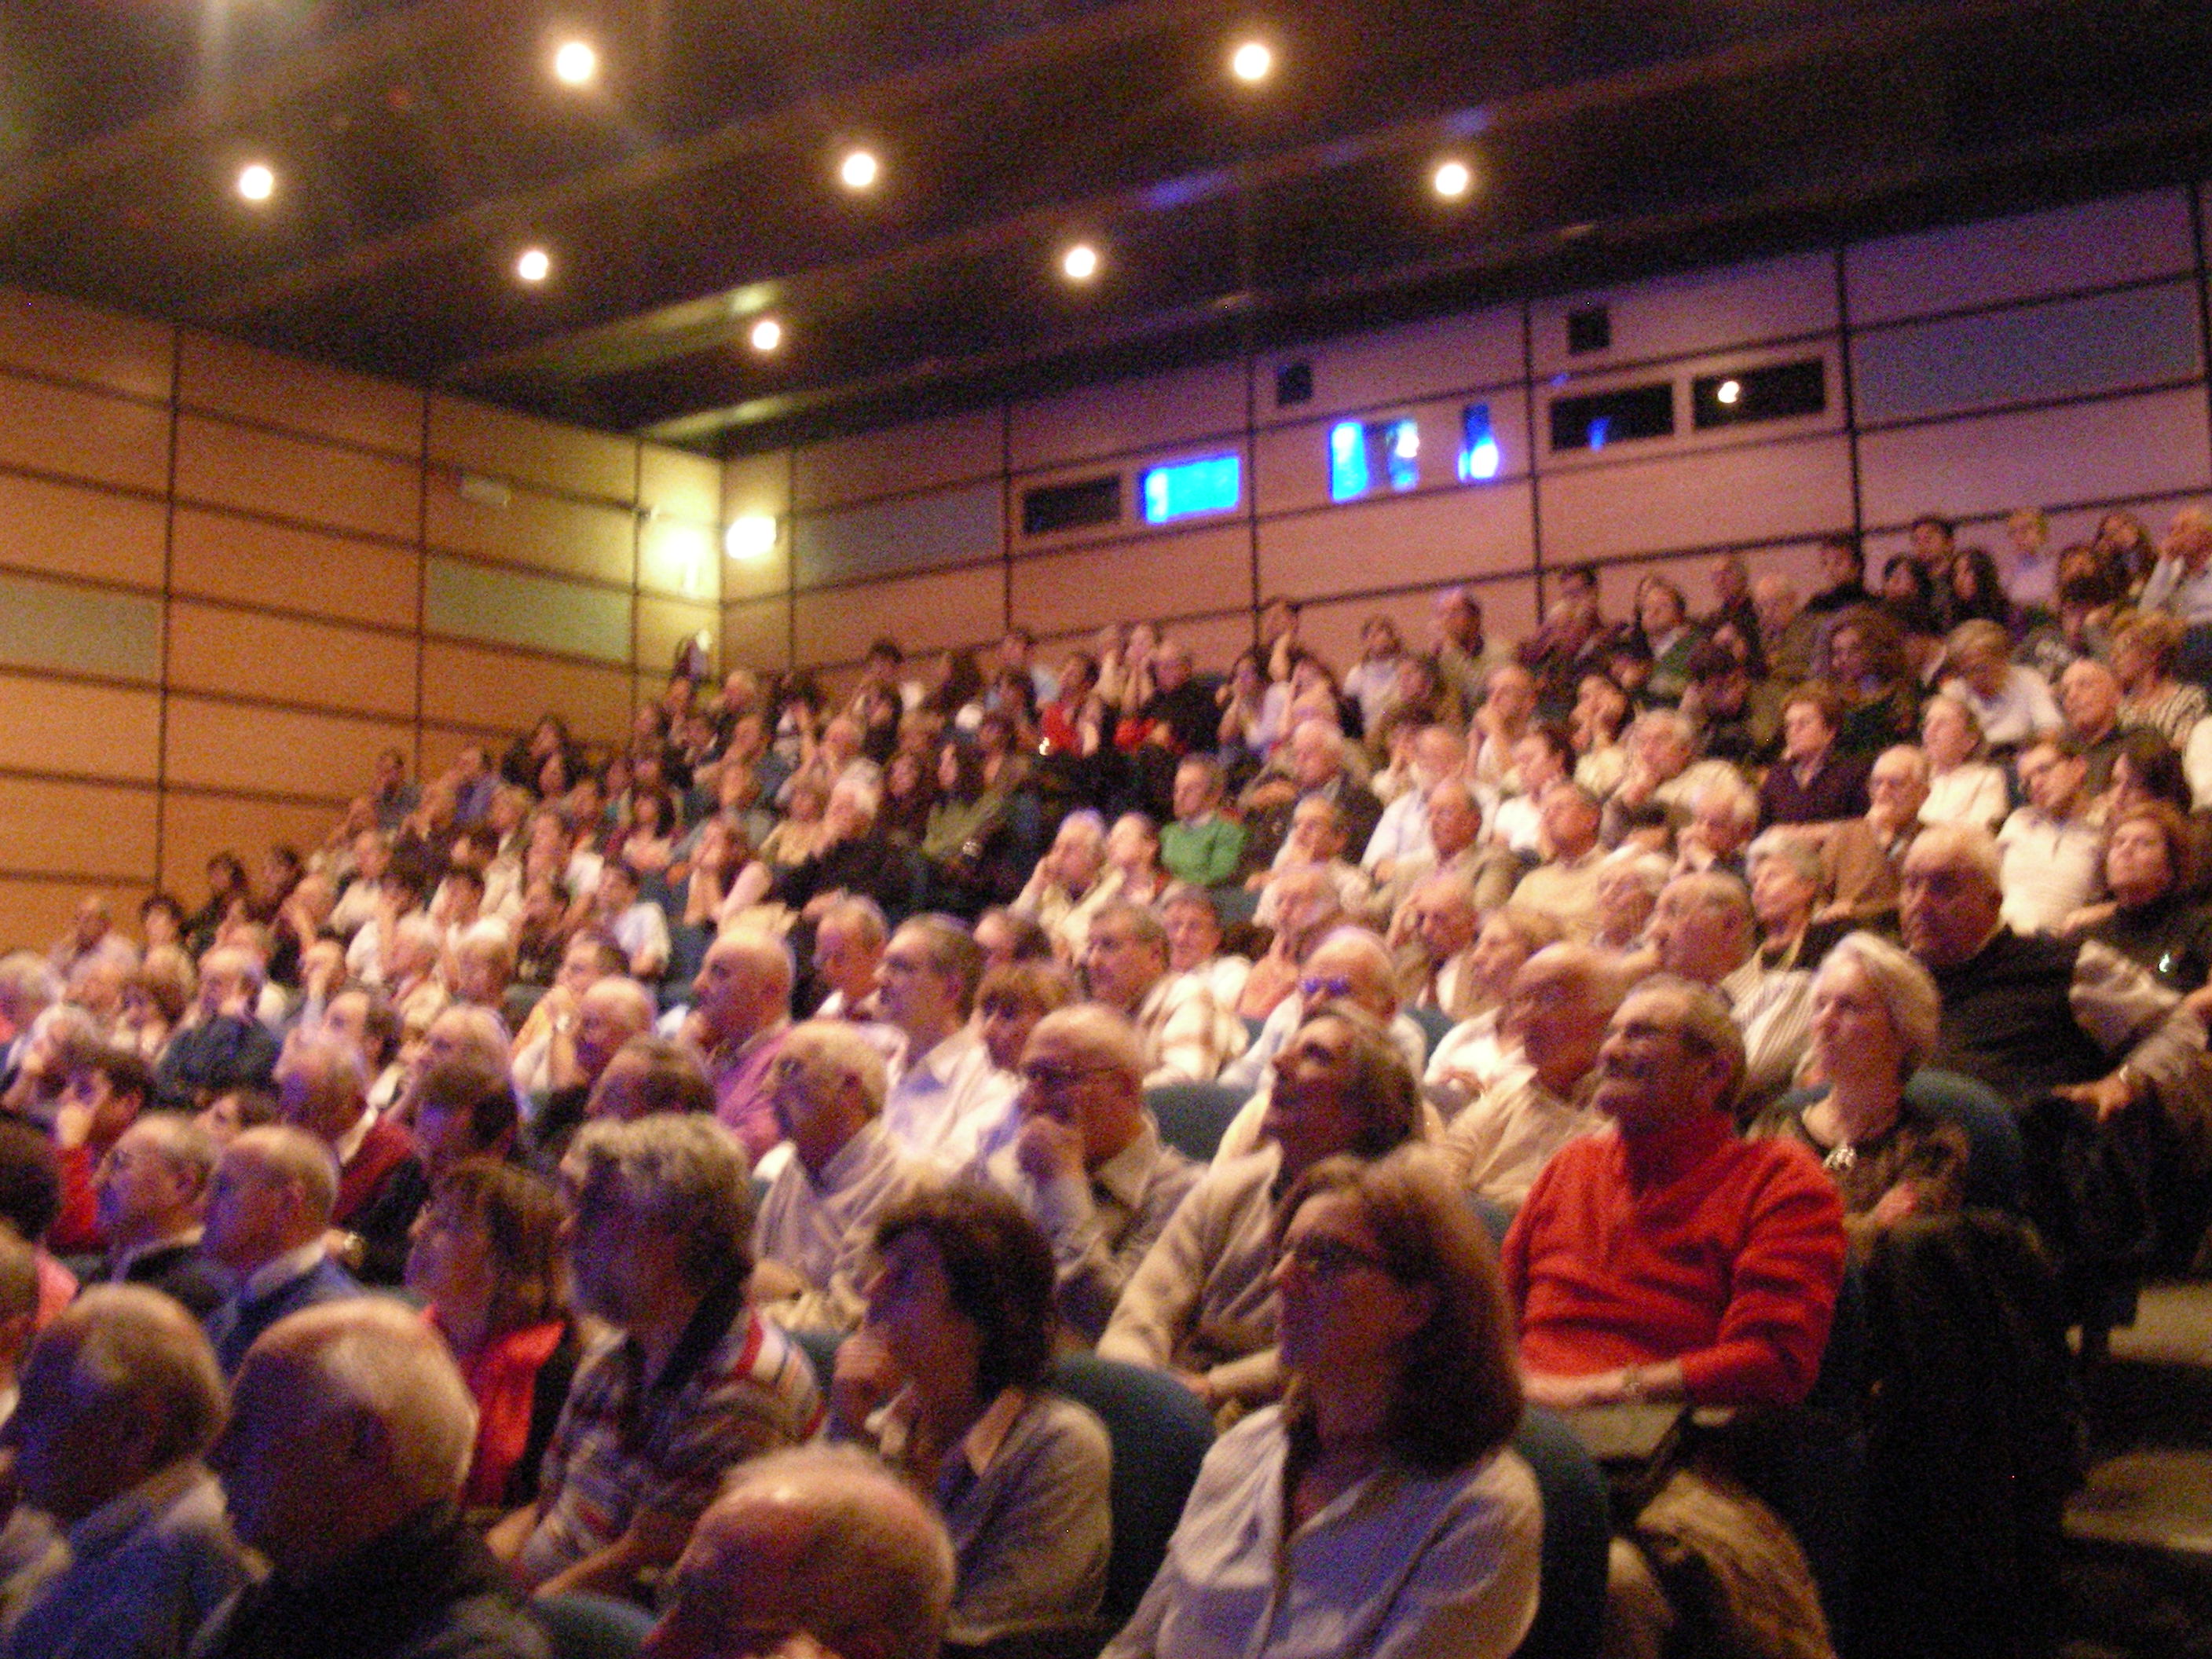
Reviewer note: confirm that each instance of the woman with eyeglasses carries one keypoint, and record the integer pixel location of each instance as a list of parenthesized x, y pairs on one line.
[(945, 1380), (1377, 1509)]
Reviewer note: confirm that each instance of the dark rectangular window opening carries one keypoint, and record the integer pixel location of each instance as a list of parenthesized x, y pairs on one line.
[(1589, 330), (1293, 385), (1775, 392), (1076, 505), (1598, 418)]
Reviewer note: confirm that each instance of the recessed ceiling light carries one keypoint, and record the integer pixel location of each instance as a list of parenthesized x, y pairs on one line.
[(1080, 263), (535, 265), (1452, 179), (256, 182), (576, 64), (1251, 62), (858, 170), (766, 335)]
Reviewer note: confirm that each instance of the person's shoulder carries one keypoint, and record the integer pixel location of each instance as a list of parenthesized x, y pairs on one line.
[(488, 1626), (1080, 1433)]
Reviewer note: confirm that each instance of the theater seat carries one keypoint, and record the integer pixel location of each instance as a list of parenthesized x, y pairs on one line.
[(1160, 1434), (1435, 1025), (1577, 1532), (1194, 1116), (581, 1627)]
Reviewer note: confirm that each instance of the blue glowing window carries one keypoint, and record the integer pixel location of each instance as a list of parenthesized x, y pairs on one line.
[(1479, 455), (1215, 484), (1361, 455)]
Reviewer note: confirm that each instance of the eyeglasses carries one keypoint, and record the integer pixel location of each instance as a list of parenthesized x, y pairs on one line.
[(1330, 1258), (1314, 989), (1048, 1078)]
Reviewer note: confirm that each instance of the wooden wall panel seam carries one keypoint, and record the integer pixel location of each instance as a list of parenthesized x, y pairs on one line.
[(286, 521), (100, 388), (433, 548), (277, 429), (1165, 449), (1644, 452), (944, 486), (78, 481), (527, 654), (1572, 380)]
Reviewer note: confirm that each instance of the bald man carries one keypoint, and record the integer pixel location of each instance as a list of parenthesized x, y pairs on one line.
[(608, 1014), (741, 1010), (818, 1542), (1556, 1016), (268, 1209), (322, 1086), (349, 1440)]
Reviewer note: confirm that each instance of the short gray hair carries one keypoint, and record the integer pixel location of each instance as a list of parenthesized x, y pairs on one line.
[(1969, 843), (296, 1155), (1907, 990), (134, 1347), (1796, 851), (687, 1172), (1100, 1032), (871, 1557), (838, 1046), (375, 1355)]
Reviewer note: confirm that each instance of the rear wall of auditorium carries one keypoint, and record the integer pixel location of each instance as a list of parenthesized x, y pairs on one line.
[(227, 578)]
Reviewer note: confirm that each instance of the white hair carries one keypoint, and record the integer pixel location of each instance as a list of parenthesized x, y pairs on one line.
[(376, 1356)]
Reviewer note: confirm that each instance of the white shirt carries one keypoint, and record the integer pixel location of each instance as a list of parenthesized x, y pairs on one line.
[(824, 1231), (2022, 709), (1402, 830), (943, 1104), (2049, 868), (1972, 793)]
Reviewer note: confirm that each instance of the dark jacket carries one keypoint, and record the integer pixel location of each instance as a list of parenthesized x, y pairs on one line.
[(234, 1326), (428, 1589)]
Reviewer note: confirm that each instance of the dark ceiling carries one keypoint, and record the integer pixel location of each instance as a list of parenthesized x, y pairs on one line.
[(421, 146)]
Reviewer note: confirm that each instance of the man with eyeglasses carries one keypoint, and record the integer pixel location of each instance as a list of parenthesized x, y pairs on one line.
[(1674, 1261), (1185, 1036), (1201, 1305), (1088, 1162), (812, 1236)]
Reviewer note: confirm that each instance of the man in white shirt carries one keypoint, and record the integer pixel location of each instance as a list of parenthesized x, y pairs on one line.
[(2048, 848), (638, 926), (1185, 1037), (1403, 829), (1704, 929), (947, 1096), (815, 1229)]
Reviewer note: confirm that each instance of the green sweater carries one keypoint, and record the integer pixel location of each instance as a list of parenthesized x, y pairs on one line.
[(1204, 854)]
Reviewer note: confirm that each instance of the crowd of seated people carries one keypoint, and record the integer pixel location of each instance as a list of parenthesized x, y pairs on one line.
[(579, 1126)]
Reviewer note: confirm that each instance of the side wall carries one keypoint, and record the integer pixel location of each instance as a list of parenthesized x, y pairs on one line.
[(2055, 360), (228, 579)]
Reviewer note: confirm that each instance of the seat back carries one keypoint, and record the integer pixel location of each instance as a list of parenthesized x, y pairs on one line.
[(1996, 1161), (1194, 1116), (1577, 1531), (581, 1627), (1435, 1025), (1160, 1434)]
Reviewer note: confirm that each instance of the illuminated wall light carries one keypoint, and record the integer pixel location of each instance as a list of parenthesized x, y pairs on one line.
[(751, 537), (256, 181), (1347, 461), (1404, 458), (1480, 457), (535, 265), (767, 334), (1452, 180), (859, 170), (1214, 483), (1080, 263), (1728, 392), (576, 64), (1251, 62)]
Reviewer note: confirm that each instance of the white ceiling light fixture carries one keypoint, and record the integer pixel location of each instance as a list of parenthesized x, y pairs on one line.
[(576, 64), (256, 181), (534, 265), (1080, 263), (1252, 62), (859, 170)]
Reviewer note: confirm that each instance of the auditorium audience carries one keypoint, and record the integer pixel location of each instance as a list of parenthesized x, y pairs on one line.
[(1787, 778)]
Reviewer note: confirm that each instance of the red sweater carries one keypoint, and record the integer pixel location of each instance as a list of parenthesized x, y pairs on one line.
[(1729, 1262)]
